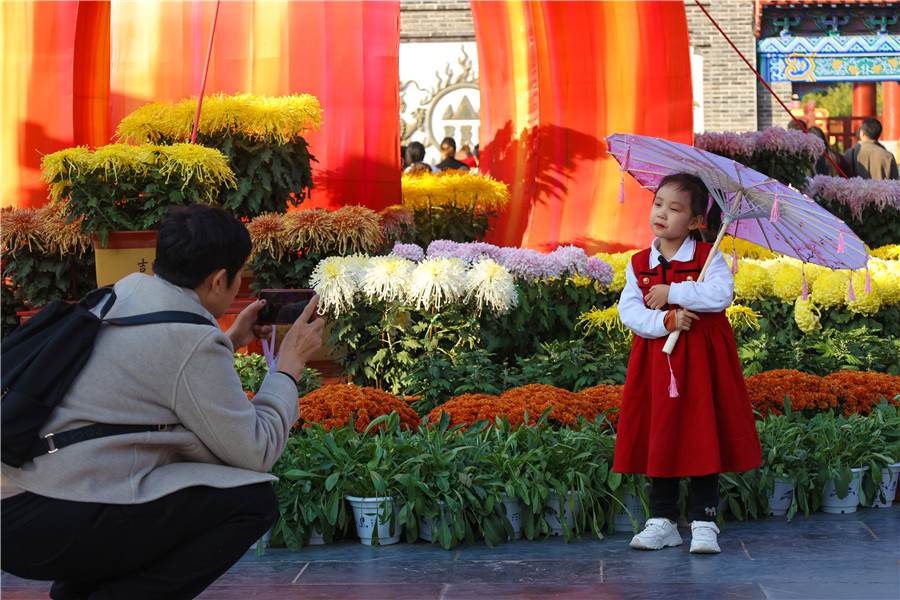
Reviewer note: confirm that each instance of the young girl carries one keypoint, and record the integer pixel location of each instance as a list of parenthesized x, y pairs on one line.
[(688, 414)]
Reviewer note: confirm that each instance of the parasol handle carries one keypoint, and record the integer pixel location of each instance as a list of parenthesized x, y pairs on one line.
[(673, 337)]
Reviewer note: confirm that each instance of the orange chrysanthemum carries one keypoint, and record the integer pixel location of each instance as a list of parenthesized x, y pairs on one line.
[(334, 405), (808, 393), (311, 227), (356, 228), (865, 389), (267, 233), (603, 398), (396, 220)]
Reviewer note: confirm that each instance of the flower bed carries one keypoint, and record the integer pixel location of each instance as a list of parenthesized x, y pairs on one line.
[(337, 405)]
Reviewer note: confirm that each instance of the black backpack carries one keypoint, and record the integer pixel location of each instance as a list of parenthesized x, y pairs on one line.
[(41, 359)]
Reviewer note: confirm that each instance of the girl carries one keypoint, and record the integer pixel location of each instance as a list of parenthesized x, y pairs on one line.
[(688, 414)]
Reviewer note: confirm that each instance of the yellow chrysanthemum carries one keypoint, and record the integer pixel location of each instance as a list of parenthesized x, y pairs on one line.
[(787, 283), (889, 252), (59, 236), (58, 168), (806, 316), (745, 249), (618, 262), (742, 317), (888, 282), (426, 191), (193, 161), (604, 320), (865, 304), (752, 281), (813, 272), (830, 289), (279, 119)]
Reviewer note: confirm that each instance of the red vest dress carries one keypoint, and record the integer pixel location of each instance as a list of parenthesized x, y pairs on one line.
[(709, 427)]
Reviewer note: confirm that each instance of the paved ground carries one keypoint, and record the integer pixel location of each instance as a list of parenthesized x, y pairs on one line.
[(854, 556)]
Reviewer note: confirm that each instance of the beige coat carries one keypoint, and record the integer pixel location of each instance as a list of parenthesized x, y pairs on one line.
[(175, 374), (870, 160)]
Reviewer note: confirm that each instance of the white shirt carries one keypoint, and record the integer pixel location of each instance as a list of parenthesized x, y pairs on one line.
[(715, 293)]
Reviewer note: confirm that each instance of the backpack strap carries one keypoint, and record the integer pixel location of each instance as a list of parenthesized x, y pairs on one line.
[(52, 442), (163, 316)]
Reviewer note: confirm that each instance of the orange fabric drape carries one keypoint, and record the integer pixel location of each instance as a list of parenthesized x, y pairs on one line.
[(71, 69), (556, 79)]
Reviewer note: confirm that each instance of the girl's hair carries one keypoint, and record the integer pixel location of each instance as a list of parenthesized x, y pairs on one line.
[(700, 199)]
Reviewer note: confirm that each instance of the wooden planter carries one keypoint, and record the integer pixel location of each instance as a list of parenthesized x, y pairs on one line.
[(126, 252)]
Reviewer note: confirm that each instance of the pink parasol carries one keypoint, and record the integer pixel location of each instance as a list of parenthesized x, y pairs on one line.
[(755, 207)]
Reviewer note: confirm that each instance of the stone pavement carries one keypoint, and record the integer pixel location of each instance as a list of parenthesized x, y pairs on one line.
[(848, 557)]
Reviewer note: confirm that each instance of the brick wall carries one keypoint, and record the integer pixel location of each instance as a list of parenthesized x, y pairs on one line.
[(436, 21)]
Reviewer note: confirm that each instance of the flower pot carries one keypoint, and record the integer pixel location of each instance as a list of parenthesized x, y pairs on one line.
[(367, 517), (631, 509), (781, 496), (514, 514), (265, 540), (832, 504), (429, 527), (889, 476), (571, 508), (316, 538), (126, 252)]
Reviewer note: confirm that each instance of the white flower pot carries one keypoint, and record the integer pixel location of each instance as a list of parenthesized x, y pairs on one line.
[(570, 509), (429, 527), (514, 514), (781, 496), (622, 519), (889, 476), (832, 504), (367, 517), (316, 538)]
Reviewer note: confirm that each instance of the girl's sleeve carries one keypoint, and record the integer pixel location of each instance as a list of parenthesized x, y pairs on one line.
[(713, 294), (635, 315)]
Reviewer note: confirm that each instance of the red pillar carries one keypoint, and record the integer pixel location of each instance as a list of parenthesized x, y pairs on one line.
[(890, 113), (864, 99)]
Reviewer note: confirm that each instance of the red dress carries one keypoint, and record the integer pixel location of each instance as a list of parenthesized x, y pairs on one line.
[(709, 427)]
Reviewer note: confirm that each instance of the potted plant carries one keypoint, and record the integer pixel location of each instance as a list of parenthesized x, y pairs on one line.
[(783, 478), (261, 136), (120, 188)]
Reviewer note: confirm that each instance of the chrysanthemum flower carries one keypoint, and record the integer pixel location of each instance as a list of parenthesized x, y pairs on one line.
[(865, 304), (21, 228), (311, 227), (599, 270), (386, 278), (436, 282), (787, 282), (267, 233), (356, 229), (334, 279), (395, 220), (752, 281), (605, 320), (62, 237), (491, 285), (572, 258), (806, 316), (830, 289), (411, 252), (742, 317), (888, 282)]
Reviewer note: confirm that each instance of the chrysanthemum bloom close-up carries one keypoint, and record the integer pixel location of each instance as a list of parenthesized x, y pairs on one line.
[(436, 282), (386, 278), (492, 286), (336, 283)]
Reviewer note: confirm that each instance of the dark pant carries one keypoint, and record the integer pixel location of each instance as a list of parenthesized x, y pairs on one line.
[(170, 548), (704, 497)]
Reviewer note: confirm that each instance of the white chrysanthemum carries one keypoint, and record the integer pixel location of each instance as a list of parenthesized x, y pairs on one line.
[(387, 278), (437, 281), (336, 283), (491, 285)]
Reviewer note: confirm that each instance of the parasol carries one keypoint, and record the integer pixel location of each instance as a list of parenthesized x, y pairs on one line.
[(755, 207)]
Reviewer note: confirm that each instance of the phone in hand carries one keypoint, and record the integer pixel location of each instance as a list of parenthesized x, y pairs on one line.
[(283, 306)]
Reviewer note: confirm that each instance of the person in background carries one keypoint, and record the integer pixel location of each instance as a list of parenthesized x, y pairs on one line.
[(448, 152), (161, 513), (869, 159), (799, 125), (464, 155), (415, 160), (824, 166), (687, 414), (403, 164)]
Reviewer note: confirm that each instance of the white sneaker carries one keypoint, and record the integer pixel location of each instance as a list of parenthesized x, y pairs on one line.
[(703, 538), (658, 533)]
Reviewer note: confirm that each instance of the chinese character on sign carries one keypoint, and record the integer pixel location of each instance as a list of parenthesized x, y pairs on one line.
[(142, 266)]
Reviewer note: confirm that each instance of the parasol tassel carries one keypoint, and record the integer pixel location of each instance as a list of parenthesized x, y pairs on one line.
[(868, 281), (622, 169), (805, 294), (673, 384), (734, 264), (840, 248), (621, 198), (773, 216), (850, 295)]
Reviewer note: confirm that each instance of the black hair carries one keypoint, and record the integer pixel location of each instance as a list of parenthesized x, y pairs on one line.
[(817, 131), (699, 194), (872, 128), (450, 142), (402, 156), (415, 152), (197, 240)]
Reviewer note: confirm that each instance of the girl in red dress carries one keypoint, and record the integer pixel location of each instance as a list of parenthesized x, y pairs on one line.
[(688, 414)]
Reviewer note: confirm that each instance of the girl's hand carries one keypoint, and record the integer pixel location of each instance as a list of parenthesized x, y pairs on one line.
[(658, 296), (679, 320), (245, 330)]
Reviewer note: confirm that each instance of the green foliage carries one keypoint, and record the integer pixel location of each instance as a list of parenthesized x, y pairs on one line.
[(572, 365), (252, 370), (458, 224), (290, 272), (34, 277), (270, 176), (838, 100)]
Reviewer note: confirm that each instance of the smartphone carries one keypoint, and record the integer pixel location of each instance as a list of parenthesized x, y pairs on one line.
[(283, 306)]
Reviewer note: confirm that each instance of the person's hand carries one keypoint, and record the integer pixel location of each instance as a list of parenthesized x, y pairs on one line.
[(684, 318), (245, 330), (301, 342), (658, 296)]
